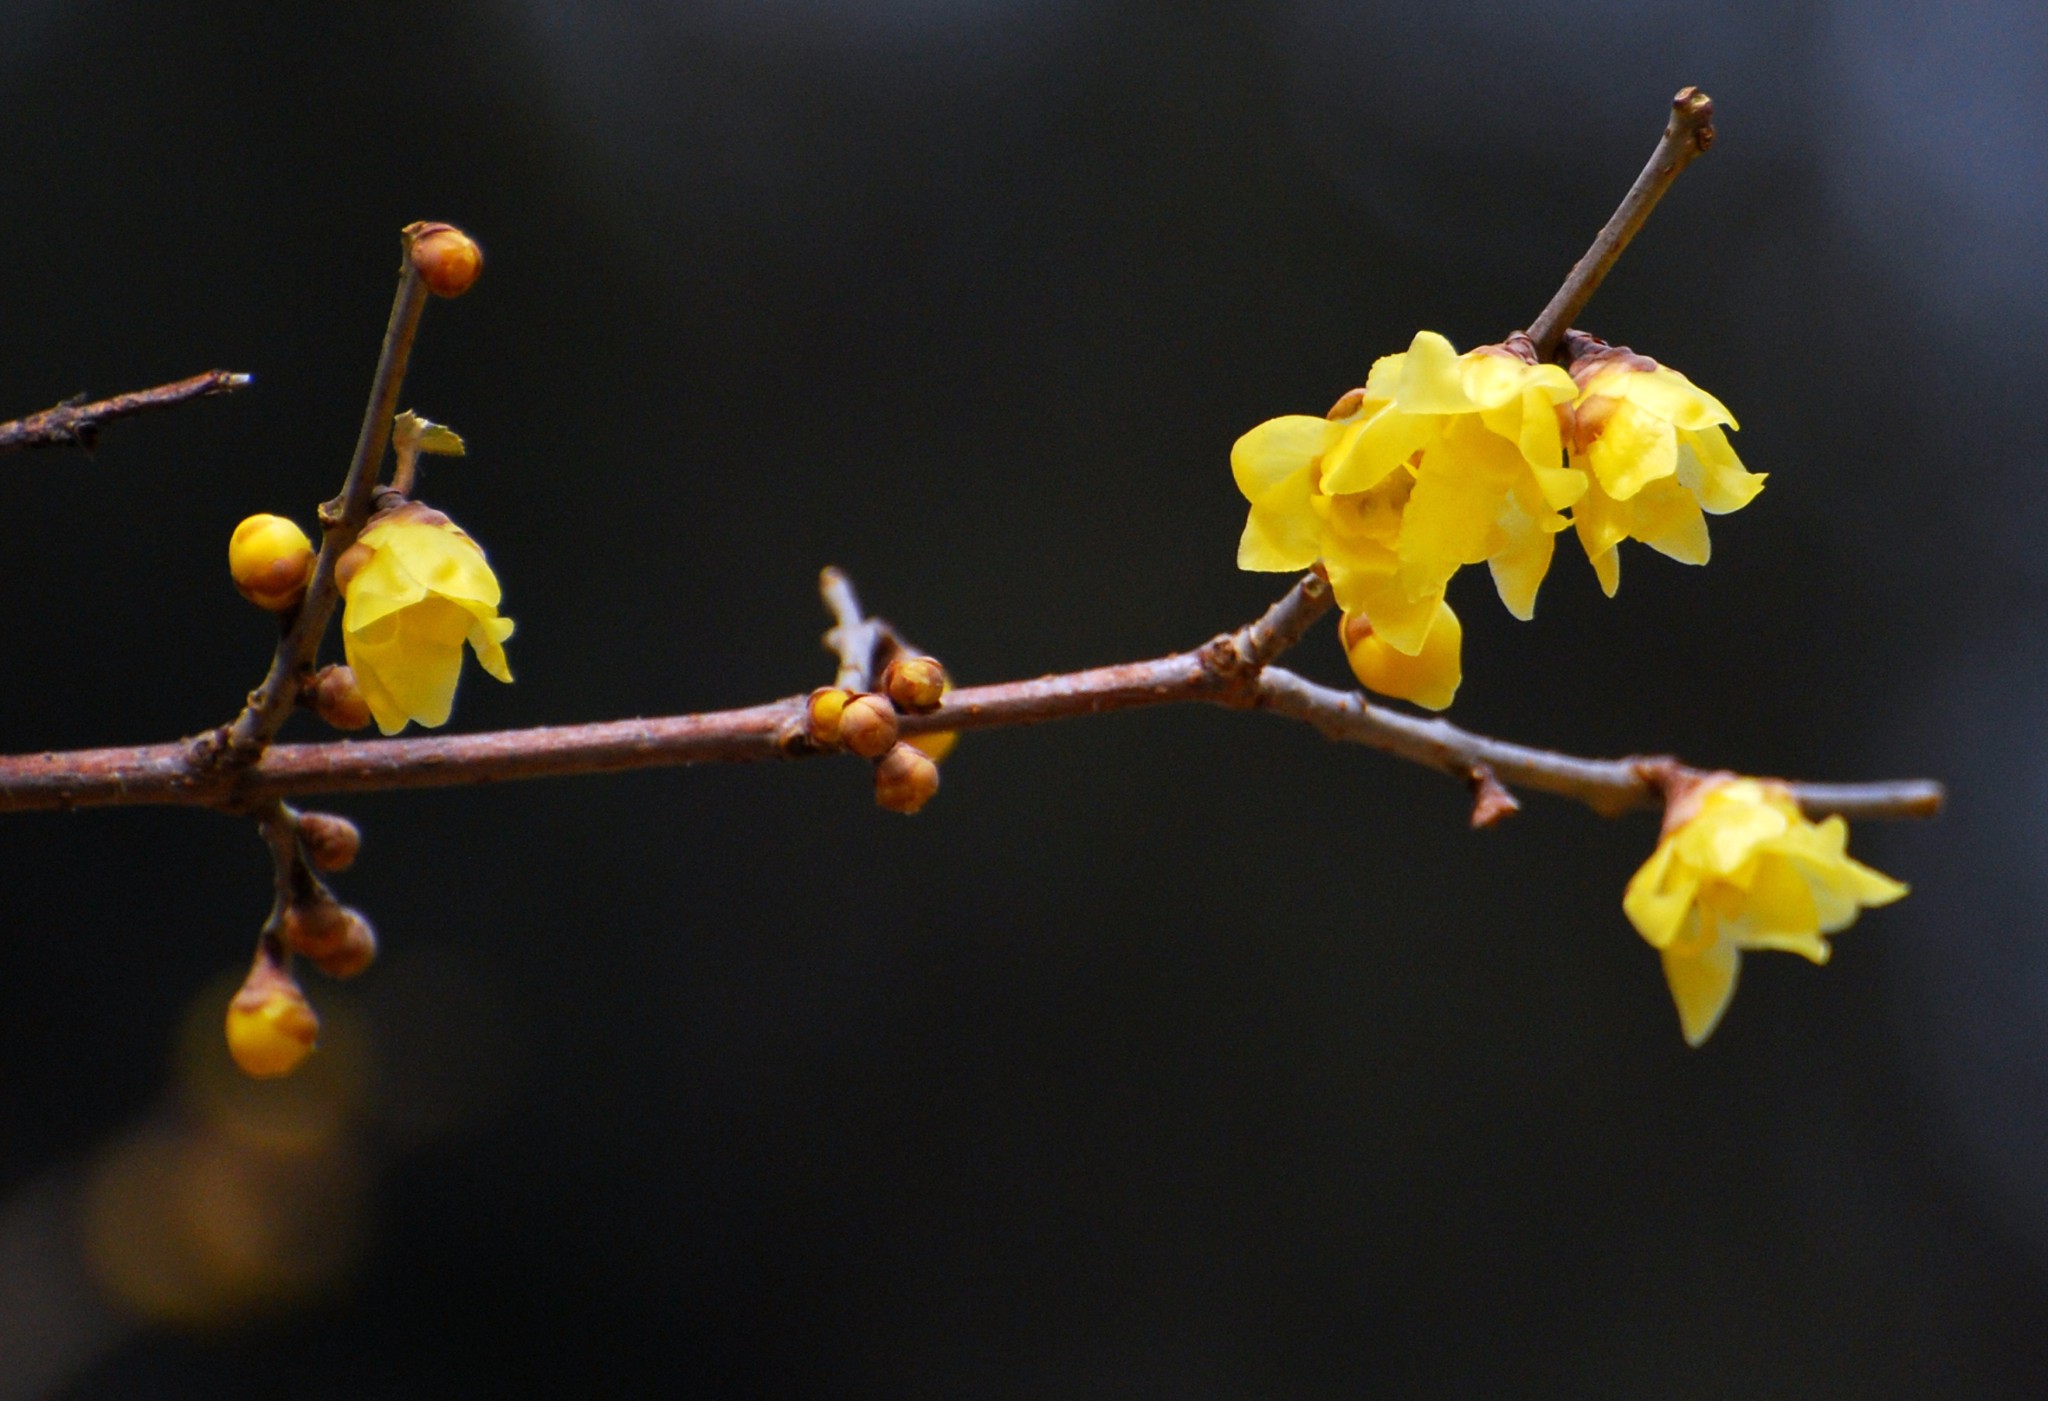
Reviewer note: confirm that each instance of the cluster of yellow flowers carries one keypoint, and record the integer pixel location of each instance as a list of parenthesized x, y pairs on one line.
[(1444, 460), (1740, 867)]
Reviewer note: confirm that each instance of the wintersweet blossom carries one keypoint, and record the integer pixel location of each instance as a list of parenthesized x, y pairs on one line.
[(1653, 446), (417, 588), (1740, 867), (1440, 461), (1429, 678)]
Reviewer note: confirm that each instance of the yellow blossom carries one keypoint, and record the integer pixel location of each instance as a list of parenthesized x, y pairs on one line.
[(1440, 461), (1653, 445), (417, 588), (1429, 678), (1740, 868), (270, 1026)]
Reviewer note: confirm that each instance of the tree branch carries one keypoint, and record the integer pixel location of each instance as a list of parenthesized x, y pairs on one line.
[(77, 424), (244, 740), (1688, 134), (1228, 671)]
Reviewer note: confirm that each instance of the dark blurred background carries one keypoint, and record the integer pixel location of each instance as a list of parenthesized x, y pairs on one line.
[(1176, 1054)]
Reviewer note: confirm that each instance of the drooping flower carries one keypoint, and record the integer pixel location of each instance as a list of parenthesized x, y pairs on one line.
[(417, 588), (1429, 678), (1441, 460), (1740, 867), (1653, 446)]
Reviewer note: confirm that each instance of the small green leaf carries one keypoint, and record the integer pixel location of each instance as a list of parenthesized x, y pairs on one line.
[(411, 433)]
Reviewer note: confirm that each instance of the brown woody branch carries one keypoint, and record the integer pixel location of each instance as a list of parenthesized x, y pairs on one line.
[(1227, 672), (1688, 134), (241, 742), (75, 423)]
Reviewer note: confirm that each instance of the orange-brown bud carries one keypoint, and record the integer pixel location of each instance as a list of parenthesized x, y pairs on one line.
[(916, 684), (271, 561), (270, 1025), (905, 779), (337, 699), (827, 704), (331, 842), (448, 259), (320, 926), (356, 951), (867, 726)]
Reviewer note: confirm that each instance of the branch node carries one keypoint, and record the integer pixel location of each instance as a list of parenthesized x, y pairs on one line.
[(1492, 803)]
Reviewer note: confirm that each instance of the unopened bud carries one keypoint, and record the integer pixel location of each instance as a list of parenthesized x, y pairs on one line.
[(271, 561), (905, 779), (356, 951), (867, 726), (337, 699), (448, 259), (827, 704), (331, 842), (916, 684), (271, 1027)]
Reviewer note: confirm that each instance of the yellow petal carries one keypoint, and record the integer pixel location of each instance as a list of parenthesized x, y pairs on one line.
[(1668, 520), (381, 587), (1634, 448), (1702, 985), (1519, 569), (1399, 619), (1374, 446), (486, 638), (1429, 678), (1281, 532), (443, 558), (1672, 397), (1562, 487), (1710, 470), (1265, 459), (1432, 380), (1659, 895)]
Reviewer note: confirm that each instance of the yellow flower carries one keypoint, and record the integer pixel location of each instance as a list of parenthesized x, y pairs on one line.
[(1440, 461), (1653, 445), (1429, 678), (1740, 867), (417, 588)]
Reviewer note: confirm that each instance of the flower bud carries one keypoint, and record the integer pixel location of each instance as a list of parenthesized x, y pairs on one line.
[(867, 726), (331, 842), (356, 951), (271, 561), (337, 699), (905, 779), (318, 926), (827, 704), (447, 259), (916, 684), (270, 1027)]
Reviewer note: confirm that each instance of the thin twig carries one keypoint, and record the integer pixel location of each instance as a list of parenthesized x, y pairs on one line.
[(243, 741), (854, 635), (1216, 674), (1688, 134), (77, 424), (1282, 625)]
